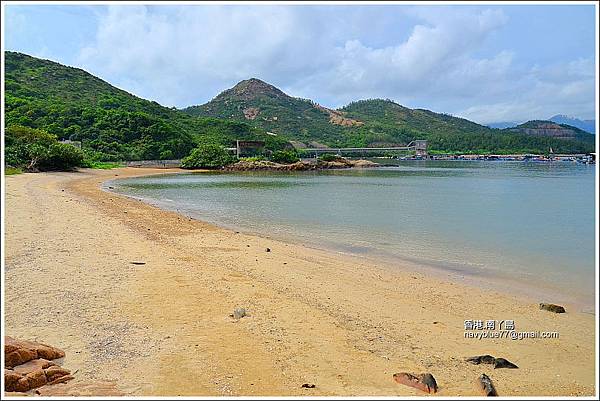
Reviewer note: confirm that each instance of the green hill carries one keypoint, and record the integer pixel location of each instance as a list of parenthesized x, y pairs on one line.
[(373, 122), (116, 125), (552, 129), (111, 123), (263, 105)]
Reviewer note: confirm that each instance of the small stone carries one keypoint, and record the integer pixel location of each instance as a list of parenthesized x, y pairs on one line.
[(137, 262), (476, 360), (486, 386), (239, 313), (308, 385), (552, 308), (490, 360), (503, 363), (268, 250)]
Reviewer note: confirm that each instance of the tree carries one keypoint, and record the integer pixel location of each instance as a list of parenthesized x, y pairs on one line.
[(35, 149), (285, 156), (208, 156)]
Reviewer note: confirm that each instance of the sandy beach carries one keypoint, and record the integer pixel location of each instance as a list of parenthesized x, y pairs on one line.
[(340, 322)]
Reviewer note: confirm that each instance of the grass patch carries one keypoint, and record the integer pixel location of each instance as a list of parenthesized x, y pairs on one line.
[(12, 171), (103, 165)]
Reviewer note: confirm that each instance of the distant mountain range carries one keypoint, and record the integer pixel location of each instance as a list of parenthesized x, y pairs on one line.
[(585, 125), (73, 104)]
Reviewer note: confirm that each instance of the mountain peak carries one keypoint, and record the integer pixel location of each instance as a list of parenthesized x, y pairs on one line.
[(253, 88)]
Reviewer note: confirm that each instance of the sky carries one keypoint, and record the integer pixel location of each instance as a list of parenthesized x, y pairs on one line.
[(488, 63)]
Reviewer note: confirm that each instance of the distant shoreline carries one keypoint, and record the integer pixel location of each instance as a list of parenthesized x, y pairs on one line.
[(580, 158)]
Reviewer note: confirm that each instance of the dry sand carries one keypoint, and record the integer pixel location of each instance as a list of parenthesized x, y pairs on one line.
[(342, 323)]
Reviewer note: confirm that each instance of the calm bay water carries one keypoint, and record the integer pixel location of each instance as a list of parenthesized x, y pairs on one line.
[(530, 222)]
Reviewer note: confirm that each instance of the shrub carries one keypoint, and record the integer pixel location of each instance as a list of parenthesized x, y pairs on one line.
[(34, 150), (12, 171), (329, 157), (253, 159), (208, 156), (285, 156)]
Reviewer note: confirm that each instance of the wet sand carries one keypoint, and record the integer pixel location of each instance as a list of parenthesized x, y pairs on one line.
[(343, 323)]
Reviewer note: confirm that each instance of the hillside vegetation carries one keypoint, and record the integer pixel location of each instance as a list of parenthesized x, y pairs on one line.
[(112, 124), (371, 123)]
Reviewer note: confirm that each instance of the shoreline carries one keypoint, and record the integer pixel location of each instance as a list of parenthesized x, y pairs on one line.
[(308, 320), (527, 291)]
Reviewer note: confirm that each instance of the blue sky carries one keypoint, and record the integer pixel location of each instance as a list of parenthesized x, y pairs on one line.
[(487, 63)]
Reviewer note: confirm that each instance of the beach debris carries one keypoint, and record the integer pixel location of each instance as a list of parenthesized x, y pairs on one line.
[(552, 308), (476, 360), (268, 250), (238, 313), (424, 381), (490, 360), (27, 365), (503, 363), (486, 386), (137, 262), (308, 385)]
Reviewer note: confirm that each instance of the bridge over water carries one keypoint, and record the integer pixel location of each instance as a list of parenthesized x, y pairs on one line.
[(419, 146)]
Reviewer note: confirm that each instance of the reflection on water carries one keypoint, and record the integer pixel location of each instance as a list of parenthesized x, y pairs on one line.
[(530, 221)]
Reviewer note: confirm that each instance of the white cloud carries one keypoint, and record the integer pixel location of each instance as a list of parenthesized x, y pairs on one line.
[(429, 57)]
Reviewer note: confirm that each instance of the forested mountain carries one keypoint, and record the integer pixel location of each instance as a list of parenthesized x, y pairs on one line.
[(267, 107), (117, 125)]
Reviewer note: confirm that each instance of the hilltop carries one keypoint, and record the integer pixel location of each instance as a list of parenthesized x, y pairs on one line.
[(267, 107)]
